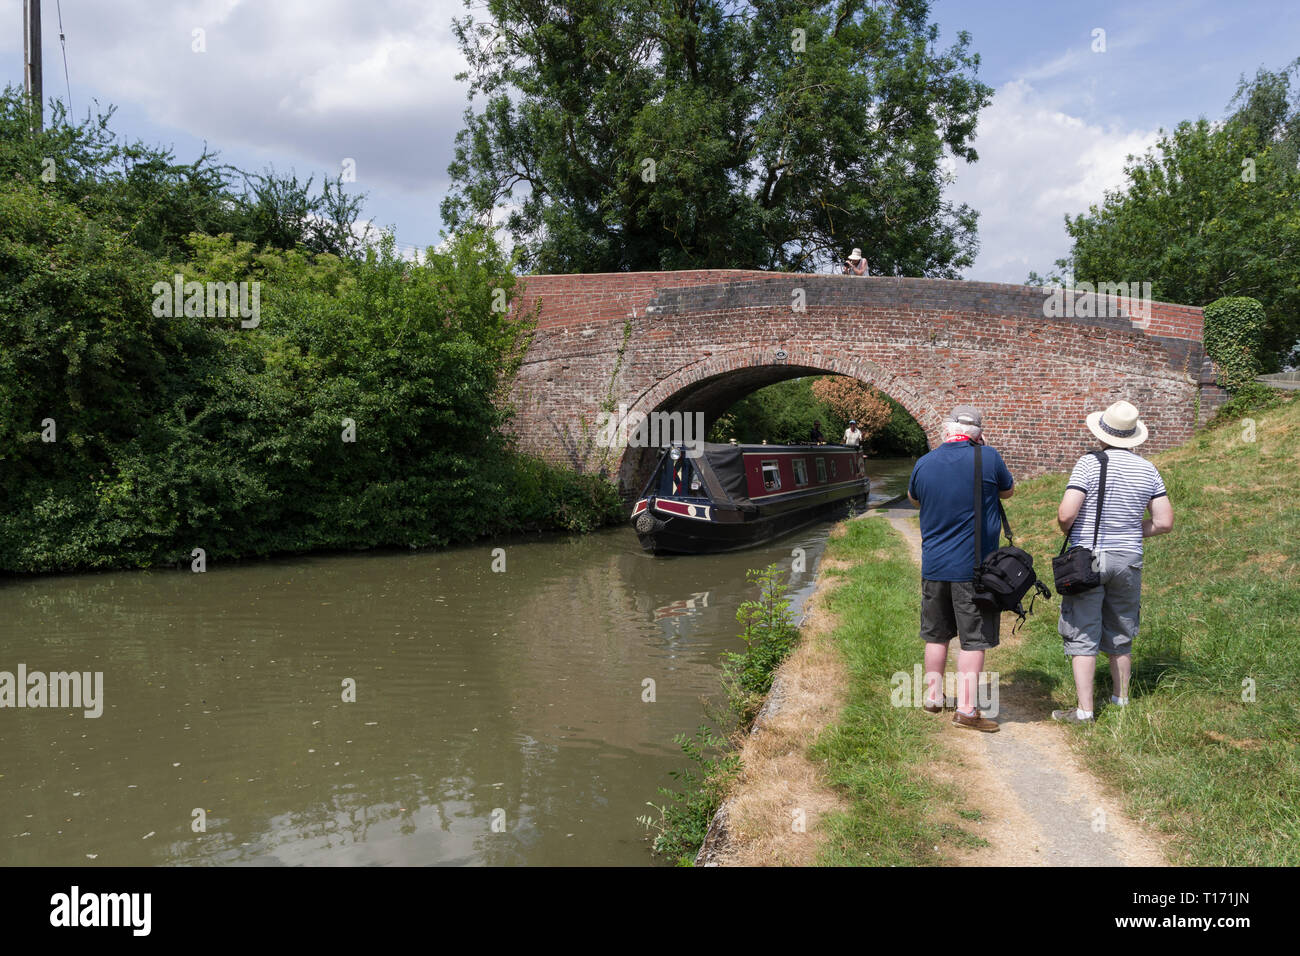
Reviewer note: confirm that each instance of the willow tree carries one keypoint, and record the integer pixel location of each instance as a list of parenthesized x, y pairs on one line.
[(667, 134)]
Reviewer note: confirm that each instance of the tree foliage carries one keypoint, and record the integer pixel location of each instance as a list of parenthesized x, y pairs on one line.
[(365, 408), (669, 134), (785, 412), (852, 400), (156, 202), (1212, 211)]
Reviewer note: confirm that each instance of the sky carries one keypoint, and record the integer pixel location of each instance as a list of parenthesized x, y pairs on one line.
[(305, 85)]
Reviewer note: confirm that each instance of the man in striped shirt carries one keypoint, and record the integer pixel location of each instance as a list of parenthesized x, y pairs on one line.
[(1105, 619)]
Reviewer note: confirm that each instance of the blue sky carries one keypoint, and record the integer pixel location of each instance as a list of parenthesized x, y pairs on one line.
[(304, 84)]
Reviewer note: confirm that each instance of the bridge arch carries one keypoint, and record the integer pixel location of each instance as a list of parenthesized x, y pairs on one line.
[(716, 382)]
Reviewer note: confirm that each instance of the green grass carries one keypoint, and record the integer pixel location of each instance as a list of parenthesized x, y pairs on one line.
[(875, 753), (1218, 774)]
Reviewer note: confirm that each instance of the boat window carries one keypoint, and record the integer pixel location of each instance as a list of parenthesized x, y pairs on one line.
[(771, 476), (821, 469), (833, 468), (800, 471)]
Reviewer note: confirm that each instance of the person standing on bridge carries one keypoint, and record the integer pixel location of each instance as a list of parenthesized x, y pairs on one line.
[(941, 486), (1105, 618), (855, 265)]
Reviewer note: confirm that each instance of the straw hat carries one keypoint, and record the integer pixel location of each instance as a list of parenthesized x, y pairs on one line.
[(1118, 426), (855, 255)]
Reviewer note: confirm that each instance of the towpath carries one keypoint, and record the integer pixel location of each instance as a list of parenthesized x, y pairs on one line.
[(1039, 805)]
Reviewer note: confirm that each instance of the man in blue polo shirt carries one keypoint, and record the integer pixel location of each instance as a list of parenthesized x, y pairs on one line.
[(942, 485)]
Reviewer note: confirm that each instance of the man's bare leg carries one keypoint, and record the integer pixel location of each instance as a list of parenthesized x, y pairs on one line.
[(936, 659), (1085, 669), (969, 665), (1121, 668)]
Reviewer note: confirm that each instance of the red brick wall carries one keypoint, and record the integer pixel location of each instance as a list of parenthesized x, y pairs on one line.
[(697, 341)]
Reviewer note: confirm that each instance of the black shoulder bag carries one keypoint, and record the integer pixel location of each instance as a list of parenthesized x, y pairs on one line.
[(1005, 576), (1075, 570)]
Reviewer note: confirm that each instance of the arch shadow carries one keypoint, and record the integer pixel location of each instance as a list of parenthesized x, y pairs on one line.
[(715, 383)]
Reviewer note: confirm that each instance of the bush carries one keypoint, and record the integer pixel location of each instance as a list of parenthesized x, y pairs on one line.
[(769, 635), (686, 815), (365, 410), (1248, 400), (1234, 337)]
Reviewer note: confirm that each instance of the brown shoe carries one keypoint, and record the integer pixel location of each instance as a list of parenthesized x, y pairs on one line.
[(977, 722)]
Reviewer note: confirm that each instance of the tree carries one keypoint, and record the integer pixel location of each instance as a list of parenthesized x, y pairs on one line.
[(1212, 211), (158, 202), (279, 211), (666, 134), (850, 399)]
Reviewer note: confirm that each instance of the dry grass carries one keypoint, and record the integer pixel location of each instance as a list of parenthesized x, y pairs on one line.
[(778, 778)]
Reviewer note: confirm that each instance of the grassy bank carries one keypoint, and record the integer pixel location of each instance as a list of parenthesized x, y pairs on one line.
[(1205, 755), (876, 753), (1206, 752)]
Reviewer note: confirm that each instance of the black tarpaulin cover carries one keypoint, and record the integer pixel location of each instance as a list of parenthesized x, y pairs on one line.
[(723, 469)]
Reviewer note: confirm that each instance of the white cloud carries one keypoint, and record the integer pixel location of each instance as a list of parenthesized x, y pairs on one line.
[(1036, 163), (316, 79)]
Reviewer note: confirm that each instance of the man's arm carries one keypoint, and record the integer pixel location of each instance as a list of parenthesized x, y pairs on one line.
[(1006, 484), (1069, 509), (1161, 520)]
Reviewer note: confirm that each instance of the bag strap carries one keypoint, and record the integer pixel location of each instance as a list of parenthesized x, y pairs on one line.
[(1101, 496), (979, 507)]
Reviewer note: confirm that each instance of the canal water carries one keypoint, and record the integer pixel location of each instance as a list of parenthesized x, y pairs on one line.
[(499, 717)]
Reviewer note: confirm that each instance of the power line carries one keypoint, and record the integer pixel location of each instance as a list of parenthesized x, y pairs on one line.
[(58, 5)]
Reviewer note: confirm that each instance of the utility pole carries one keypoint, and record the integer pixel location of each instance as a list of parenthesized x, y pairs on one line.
[(32, 62)]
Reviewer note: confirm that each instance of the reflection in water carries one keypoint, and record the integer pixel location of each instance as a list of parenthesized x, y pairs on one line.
[(498, 717), (697, 601)]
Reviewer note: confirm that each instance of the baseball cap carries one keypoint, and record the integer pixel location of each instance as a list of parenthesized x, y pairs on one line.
[(966, 415)]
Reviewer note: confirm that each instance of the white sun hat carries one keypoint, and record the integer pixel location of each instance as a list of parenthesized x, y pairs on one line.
[(1118, 426), (855, 255)]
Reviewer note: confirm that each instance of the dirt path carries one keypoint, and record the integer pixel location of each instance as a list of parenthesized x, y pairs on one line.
[(1038, 805)]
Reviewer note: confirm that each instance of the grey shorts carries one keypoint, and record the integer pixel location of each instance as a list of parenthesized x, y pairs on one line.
[(948, 610), (1105, 619)]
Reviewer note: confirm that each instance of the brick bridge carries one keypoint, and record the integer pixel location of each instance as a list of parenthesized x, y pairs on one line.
[(700, 341)]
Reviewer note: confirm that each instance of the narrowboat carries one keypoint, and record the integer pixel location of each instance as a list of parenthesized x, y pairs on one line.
[(712, 497)]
